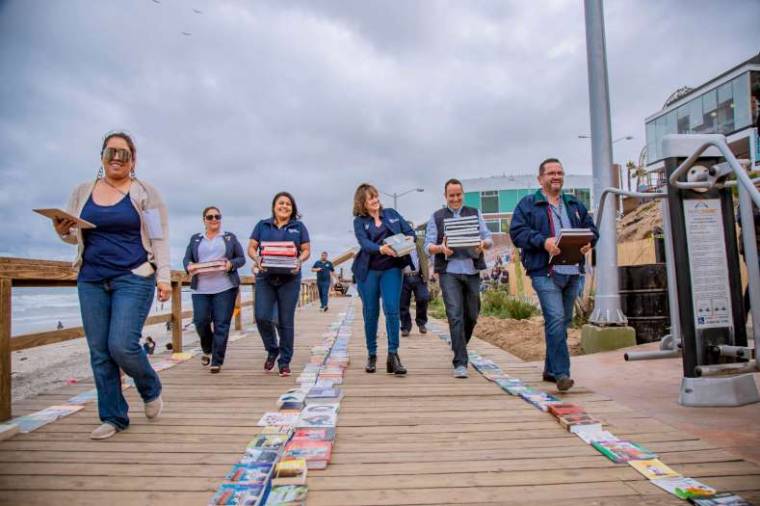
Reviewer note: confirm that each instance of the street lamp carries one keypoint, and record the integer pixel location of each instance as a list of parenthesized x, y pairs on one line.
[(397, 195), (625, 138)]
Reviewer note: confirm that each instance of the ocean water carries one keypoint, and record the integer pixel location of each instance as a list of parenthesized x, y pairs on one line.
[(40, 309)]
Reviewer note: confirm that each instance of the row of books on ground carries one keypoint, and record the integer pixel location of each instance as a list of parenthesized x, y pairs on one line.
[(591, 430), (295, 439)]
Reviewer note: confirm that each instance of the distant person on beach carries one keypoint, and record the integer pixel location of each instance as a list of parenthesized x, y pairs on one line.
[(537, 220), (215, 289), (378, 272), (324, 269), (120, 262), (280, 288), (459, 271), (60, 325)]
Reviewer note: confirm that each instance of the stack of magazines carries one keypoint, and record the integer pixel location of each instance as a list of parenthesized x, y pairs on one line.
[(462, 232), (279, 256), (400, 243)]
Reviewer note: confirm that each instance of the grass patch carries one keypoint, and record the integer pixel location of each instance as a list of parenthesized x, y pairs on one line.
[(497, 303)]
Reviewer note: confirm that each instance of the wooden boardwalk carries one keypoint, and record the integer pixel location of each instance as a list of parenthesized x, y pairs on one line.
[(422, 439)]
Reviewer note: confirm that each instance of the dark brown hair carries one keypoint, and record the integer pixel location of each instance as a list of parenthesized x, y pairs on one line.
[(450, 182), (294, 213), (120, 135), (360, 198), (543, 165), (209, 208)]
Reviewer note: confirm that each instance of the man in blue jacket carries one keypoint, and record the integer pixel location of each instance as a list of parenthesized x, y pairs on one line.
[(536, 222), (324, 269), (459, 272)]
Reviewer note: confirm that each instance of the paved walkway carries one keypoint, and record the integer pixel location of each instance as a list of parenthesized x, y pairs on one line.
[(422, 439)]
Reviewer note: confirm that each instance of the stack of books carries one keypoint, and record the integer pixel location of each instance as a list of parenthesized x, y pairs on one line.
[(212, 266), (462, 232), (570, 241), (400, 243), (279, 256)]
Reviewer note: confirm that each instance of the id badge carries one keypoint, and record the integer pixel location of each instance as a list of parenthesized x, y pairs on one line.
[(152, 218)]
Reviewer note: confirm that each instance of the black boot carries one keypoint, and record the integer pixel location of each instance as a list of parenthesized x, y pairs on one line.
[(371, 363), (394, 364)]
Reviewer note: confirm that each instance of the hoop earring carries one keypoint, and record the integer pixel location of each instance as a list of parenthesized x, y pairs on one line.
[(100, 172), (132, 173)]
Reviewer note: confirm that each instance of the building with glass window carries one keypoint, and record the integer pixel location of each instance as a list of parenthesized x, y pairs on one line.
[(727, 104), (497, 196)]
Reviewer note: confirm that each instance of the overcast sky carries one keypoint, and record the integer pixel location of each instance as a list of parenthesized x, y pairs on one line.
[(315, 97)]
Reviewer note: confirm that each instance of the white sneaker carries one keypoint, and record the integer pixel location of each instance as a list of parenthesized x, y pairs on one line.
[(105, 431), (460, 372), (153, 408)]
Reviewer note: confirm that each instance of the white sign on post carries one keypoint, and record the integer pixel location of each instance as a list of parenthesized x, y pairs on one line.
[(708, 263)]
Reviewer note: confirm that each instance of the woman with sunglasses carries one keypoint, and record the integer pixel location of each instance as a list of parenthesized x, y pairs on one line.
[(280, 289), (215, 288), (120, 262)]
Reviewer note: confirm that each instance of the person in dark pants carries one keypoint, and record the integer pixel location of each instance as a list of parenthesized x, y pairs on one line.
[(378, 272), (324, 269), (278, 289), (459, 272), (536, 222), (215, 292), (415, 282), (121, 262)]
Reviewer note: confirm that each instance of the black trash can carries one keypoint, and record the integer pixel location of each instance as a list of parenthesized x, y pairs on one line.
[(644, 300)]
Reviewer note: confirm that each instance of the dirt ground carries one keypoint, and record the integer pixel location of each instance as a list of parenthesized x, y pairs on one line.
[(522, 338)]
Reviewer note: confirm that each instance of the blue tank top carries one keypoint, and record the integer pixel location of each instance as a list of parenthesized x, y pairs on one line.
[(115, 246)]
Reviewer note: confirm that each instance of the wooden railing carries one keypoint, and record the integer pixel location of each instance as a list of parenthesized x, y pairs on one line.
[(22, 272)]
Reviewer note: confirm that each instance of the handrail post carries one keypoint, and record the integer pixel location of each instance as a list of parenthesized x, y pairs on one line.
[(238, 312), (6, 293), (176, 315)]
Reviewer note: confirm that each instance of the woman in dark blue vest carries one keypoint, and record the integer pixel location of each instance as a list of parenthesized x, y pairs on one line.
[(278, 289), (378, 272), (214, 292)]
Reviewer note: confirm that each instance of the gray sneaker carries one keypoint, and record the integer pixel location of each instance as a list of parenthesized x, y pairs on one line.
[(105, 431), (153, 408), (460, 372), (565, 383)]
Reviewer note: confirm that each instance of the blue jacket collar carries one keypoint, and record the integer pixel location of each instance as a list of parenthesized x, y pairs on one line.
[(540, 198)]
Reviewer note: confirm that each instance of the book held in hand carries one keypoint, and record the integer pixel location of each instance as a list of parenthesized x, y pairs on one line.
[(401, 244), (212, 266), (59, 214), (570, 241)]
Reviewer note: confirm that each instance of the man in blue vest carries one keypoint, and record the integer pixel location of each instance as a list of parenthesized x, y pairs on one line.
[(459, 272), (415, 282), (324, 269), (536, 222)]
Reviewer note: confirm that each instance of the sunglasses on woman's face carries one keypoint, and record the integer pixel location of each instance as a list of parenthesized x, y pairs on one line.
[(118, 154), (212, 217)]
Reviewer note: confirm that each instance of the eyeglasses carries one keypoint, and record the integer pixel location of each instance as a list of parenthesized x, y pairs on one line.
[(118, 154), (212, 217)]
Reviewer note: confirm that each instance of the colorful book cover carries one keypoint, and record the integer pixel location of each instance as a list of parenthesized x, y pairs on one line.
[(591, 433), (290, 472), (684, 487), (277, 429), (292, 399), (565, 409), (84, 397), (568, 421), (249, 473), (622, 451), (722, 499), (314, 434), (259, 456), (8, 430), (317, 420), (269, 441), (278, 418), (653, 469), (237, 494), (287, 495), (518, 389), (321, 409), (318, 392), (314, 452)]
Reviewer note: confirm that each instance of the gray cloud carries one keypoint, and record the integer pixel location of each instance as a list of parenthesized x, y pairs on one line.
[(317, 96)]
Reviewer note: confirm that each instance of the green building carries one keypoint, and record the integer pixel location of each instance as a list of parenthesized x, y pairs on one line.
[(497, 196)]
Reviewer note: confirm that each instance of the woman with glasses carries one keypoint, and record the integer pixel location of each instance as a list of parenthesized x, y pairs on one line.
[(275, 287), (212, 259), (120, 262)]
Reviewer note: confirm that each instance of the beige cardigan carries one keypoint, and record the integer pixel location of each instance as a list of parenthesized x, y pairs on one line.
[(151, 208)]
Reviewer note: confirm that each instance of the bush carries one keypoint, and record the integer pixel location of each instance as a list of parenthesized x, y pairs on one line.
[(500, 304)]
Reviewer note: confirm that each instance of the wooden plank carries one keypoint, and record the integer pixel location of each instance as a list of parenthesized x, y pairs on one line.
[(120, 498), (6, 294)]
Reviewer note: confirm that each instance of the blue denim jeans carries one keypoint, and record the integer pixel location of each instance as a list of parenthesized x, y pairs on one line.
[(216, 308), (324, 291), (413, 284), (461, 297), (277, 299), (385, 284), (557, 294), (113, 314)]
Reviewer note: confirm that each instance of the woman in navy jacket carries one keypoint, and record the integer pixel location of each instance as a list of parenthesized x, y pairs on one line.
[(378, 272), (214, 293)]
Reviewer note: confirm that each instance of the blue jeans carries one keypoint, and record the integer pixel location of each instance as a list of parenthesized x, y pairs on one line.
[(413, 284), (557, 294), (113, 314), (385, 284), (280, 292), (324, 290), (216, 308), (461, 297)]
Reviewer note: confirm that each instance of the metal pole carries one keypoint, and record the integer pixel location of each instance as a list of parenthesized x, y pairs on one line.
[(750, 249), (607, 299), (395, 201)]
